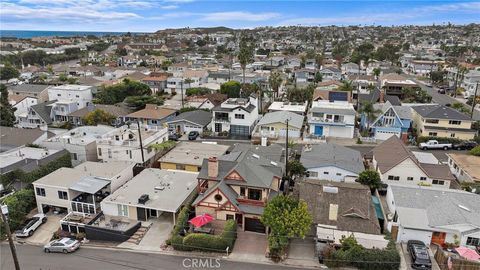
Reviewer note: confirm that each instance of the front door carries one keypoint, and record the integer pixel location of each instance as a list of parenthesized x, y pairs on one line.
[(179, 129), (318, 130), (218, 127), (239, 219), (141, 214)]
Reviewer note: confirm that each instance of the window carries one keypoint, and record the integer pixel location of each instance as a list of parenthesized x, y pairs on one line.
[(242, 191), (74, 156), (218, 197), (432, 134), (229, 217), (40, 191), (313, 174), (62, 195), (410, 178), (122, 210), (180, 166), (452, 135), (254, 194), (325, 172), (454, 122), (99, 152), (423, 178), (393, 177), (431, 121), (59, 95), (438, 182), (472, 241), (339, 174), (77, 96), (239, 116)]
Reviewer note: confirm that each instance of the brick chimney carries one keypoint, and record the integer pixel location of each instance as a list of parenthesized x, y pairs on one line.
[(212, 167), (382, 97)]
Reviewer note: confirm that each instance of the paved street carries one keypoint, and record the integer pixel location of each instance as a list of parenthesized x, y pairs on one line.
[(436, 97), (32, 257)]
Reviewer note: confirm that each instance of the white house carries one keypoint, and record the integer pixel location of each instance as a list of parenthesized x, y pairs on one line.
[(81, 142), (274, 125), (433, 215), (123, 143), (396, 164), (81, 94), (21, 105), (466, 168), (332, 162), (470, 81), (237, 116), (332, 119)]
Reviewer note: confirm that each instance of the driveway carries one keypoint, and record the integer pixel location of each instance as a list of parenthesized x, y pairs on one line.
[(302, 252), (157, 234), (408, 259), (44, 233), (250, 246)]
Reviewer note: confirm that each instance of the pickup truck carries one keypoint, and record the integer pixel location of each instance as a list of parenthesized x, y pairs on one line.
[(433, 144), (30, 225)]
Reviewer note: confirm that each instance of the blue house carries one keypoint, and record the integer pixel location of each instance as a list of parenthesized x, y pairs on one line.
[(393, 120)]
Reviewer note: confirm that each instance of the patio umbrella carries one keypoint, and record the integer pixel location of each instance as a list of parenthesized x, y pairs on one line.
[(201, 220), (468, 254)]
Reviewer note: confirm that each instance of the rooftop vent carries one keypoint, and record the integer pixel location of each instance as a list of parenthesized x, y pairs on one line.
[(143, 199), (255, 156), (328, 189), (464, 207)]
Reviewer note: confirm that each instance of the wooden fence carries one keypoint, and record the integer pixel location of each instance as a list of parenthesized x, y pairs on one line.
[(457, 263)]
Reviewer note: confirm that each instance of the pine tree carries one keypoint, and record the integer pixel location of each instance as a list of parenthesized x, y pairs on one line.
[(7, 117)]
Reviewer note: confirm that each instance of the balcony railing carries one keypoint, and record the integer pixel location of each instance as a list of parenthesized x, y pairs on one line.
[(246, 200), (222, 119)]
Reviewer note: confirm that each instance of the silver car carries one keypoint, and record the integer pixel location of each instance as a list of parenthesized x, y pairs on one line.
[(65, 245)]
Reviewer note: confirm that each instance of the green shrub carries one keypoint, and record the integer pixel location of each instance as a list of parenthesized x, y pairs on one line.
[(198, 91), (475, 151), (212, 243), (423, 139), (182, 220), (19, 205)]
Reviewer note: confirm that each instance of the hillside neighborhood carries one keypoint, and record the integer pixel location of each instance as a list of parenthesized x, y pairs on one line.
[(311, 147)]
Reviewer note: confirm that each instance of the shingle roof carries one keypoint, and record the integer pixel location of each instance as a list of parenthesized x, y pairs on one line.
[(113, 109), (295, 120), (355, 212), (200, 117), (43, 110), (30, 88), (439, 112), (152, 111), (13, 137), (320, 155)]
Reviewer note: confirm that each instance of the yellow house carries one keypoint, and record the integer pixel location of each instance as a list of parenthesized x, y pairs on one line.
[(188, 156), (274, 125), (442, 121)]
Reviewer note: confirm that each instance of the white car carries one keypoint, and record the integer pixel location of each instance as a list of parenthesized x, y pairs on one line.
[(64, 245), (30, 225)]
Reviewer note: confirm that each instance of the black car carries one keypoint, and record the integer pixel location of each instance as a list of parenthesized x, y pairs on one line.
[(442, 91), (173, 137), (193, 135), (466, 145), (419, 254)]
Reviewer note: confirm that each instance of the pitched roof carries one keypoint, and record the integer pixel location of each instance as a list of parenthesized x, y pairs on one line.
[(13, 137), (321, 155), (31, 88), (216, 98), (112, 109), (43, 110), (439, 112), (200, 117), (355, 212), (152, 111), (295, 120)]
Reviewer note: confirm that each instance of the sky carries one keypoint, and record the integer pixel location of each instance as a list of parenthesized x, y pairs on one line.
[(153, 15)]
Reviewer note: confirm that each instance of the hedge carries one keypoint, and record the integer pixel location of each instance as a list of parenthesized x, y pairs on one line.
[(208, 242), (423, 139), (19, 205), (181, 221)]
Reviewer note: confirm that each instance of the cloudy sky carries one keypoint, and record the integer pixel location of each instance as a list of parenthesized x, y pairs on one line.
[(150, 15)]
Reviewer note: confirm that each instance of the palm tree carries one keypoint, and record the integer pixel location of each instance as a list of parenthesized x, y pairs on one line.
[(245, 56), (186, 81), (376, 72), (346, 86), (318, 60), (275, 81), (370, 112)]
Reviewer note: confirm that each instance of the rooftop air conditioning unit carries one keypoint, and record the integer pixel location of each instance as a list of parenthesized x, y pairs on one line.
[(143, 199)]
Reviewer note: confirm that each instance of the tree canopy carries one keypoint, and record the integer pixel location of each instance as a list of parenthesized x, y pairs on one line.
[(198, 91), (8, 72), (231, 89), (98, 117), (139, 102), (7, 116), (370, 178), (118, 92)]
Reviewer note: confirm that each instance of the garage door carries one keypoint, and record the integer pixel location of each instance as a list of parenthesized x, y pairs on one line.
[(239, 130), (254, 225), (384, 135)]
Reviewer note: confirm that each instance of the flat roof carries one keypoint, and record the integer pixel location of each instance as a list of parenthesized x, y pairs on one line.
[(17, 154), (193, 153), (90, 184), (468, 163), (424, 157), (72, 87), (167, 190)]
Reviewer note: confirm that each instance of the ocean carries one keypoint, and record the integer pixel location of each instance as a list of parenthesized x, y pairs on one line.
[(36, 33)]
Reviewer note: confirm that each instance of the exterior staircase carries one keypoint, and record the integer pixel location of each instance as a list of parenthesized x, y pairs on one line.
[(138, 235)]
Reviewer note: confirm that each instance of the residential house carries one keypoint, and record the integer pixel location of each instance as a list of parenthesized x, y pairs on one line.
[(342, 209), (80, 142), (350, 69), (332, 119), (332, 162), (179, 81), (433, 215), (294, 107), (293, 63), (378, 96), (152, 115), (27, 159), (219, 76), (39, 91), (422, 67), (331, 74), (239, 184), (208, 101), (397, 164), (153, 193), (442, 121), (38, 115), (119, 113), (328, 85), (465, 167), (331, 95), (470, 81), (82, 95), (198, 120), (12, 137), (363, 83), (392, 120), (237, 116), (395, 84), (189, 156), (156, 81), (80, 189), (273, 125), (21, 104), (123, 143), (304, 75)]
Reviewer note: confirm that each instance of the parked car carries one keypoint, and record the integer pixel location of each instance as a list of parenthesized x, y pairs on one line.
[(64, 245), (466, 145), (419, 254), (193, 135), (442, 91), (30, 225), (433, 144), (173, 137)]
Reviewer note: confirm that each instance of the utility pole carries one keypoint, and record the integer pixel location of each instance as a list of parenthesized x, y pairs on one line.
[(141, 144), (286, 151), (10, 240), (474, 99), (455, 84), (181, 89)]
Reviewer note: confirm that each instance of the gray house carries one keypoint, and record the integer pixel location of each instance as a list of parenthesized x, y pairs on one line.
[(198, 120)]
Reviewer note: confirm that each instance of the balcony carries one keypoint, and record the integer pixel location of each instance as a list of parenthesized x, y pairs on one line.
[(315, 119), (246, 200), (222, 119)]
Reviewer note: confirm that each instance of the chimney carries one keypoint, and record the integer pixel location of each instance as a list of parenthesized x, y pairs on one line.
[(382, 97), (212, 167)]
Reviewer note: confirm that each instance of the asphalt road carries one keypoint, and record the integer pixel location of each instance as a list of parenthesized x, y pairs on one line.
[(33, 258), (436, 97)]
